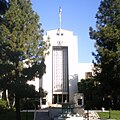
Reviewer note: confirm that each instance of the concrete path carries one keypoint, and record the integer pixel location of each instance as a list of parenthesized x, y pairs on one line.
[(42, 115)]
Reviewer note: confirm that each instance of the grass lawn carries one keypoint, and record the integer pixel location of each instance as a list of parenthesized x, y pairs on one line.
[(12, 116), (113, 115)]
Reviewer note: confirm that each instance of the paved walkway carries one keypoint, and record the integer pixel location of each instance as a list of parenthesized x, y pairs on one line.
[(42, 115)]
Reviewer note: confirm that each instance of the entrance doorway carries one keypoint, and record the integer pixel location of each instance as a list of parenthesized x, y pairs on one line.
[(60, 98)]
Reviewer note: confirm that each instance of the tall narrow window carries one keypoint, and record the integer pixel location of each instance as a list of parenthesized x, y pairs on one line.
[(60, 70)]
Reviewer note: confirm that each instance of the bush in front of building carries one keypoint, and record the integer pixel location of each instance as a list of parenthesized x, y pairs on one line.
[(3, 106), (30, 104)]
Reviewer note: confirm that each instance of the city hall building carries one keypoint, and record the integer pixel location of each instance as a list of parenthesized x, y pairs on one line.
[(61, 77), (62, 68)]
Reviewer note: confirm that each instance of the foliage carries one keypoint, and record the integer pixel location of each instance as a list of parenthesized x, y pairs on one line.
[(30, 104), (33, 102), (92, 93), (3, 7), (22, 50), (107, 55), (11, 116), (3, 106)]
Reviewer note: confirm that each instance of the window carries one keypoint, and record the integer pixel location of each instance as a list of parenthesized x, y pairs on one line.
[(43, 101), (88, 75), (79, 101), (60, 69)]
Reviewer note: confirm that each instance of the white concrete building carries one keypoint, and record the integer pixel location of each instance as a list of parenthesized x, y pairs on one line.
[(62, 68), (85, 70), (60, 80)]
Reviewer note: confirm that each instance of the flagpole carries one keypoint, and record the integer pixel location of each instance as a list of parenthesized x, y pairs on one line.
[(60, 16)]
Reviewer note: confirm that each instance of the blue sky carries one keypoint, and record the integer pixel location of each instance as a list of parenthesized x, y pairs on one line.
[(77, 16)]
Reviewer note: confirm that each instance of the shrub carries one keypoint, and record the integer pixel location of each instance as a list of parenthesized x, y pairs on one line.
[(3, 107)]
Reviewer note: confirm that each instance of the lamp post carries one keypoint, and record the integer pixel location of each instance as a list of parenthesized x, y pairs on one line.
[(27, 109), (87, 114), (109, 100), (109, 113)]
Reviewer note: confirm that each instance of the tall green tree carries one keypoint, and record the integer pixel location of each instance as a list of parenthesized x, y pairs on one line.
[(3, 8), (92, 93), (107, 44), (20, 44)]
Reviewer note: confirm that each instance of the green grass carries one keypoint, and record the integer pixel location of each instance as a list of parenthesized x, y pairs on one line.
[(12, 116), (113, 115)]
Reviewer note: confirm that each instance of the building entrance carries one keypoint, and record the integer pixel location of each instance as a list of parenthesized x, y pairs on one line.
[(60, 98)]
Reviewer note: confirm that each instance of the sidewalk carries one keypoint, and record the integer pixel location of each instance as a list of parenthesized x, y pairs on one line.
[(42, 115)]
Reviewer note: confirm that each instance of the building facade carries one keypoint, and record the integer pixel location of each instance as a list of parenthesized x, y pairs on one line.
[(85, 70), (61, 77), (63, 71)]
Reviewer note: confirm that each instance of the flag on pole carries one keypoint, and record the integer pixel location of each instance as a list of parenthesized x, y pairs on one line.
[(60, 13)]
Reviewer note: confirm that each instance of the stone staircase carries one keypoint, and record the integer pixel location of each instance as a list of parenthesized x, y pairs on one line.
[(91, 115)]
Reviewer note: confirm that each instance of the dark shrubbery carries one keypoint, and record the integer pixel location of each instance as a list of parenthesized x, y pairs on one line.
[(30, 104), (3, 106)]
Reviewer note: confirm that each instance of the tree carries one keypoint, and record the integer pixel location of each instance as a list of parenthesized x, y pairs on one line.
[(3, 8), (92, 93), (20, 40), (107, 55)]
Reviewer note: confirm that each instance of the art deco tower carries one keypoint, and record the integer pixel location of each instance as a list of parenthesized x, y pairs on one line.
[(60, 80)]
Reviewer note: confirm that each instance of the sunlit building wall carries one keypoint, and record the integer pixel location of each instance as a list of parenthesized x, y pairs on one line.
[(85, 70), (61, 77)]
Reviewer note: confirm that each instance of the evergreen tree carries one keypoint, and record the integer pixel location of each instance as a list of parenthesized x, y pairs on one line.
[(20, 44), (107, 55), (3, 8), (92, 93)]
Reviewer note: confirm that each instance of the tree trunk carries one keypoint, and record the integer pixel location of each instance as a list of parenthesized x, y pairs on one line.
[(17, 105), (7, 98), (13, 102)]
